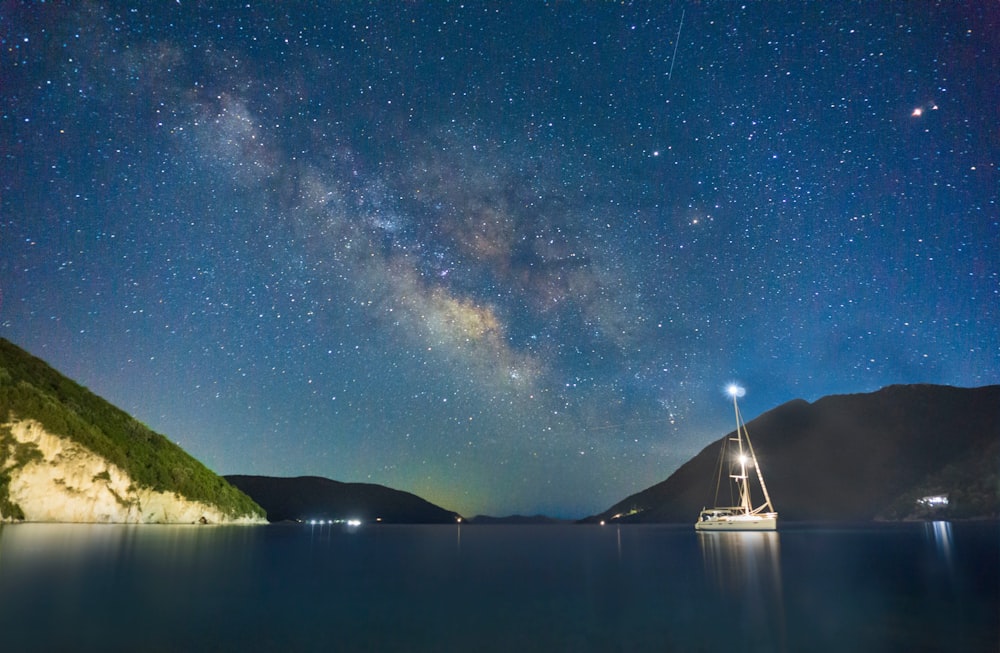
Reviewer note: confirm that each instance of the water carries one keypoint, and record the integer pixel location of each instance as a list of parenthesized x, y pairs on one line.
[(911, 587)]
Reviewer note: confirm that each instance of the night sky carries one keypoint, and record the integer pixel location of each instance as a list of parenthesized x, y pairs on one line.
[(506, 256)]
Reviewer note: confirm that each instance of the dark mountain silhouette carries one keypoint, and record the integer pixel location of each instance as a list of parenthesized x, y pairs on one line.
[(854, 457), (313, 497), (534, 520)]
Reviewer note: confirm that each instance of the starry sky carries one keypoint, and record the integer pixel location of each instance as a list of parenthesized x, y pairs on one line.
[(506, 256)]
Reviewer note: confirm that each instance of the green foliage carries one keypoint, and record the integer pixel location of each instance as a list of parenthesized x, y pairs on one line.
[(122, 501), (8, 463), (30, 389), (8, 509), (27, 452)]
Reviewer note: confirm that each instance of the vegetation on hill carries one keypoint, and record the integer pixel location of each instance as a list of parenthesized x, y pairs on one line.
[(20, 454), (31, 389)]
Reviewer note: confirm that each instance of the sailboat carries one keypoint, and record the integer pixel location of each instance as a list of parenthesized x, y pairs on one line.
[(738, 455)]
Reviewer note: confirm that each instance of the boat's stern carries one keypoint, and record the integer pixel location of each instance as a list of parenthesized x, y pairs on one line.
[(726, 519)]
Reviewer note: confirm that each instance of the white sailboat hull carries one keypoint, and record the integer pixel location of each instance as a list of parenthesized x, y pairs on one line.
[(710, 521)]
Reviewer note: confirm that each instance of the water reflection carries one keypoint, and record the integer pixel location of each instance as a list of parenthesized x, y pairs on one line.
[(745, 570), (910, 587), (79, 553), (940, 536), (735, 560), (940, 533)]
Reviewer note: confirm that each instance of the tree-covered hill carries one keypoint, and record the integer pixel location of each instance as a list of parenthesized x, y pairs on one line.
[(32, 390)]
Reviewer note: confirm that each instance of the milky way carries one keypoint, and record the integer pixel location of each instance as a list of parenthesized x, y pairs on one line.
[(507, 258)]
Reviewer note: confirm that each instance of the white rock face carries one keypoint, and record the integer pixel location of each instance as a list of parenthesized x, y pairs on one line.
[(73, 484)]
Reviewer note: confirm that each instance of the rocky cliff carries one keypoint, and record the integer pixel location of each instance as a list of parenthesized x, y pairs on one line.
[(68, 455), (59, 480)]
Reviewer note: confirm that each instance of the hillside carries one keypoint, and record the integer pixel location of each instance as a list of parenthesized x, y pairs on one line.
[(68, 455), (518, 520), (855, 457), (313, 497)]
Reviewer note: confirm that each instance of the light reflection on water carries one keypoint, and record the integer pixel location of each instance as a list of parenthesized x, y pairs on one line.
[(632, 588), (71, 545), (745, 569), (940, 533), (736, 560)]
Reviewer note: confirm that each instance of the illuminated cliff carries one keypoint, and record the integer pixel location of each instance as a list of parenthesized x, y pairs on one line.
[(62, 481), (67, 455)]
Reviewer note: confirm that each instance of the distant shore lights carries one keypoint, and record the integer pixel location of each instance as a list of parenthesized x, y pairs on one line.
[(353, 523)]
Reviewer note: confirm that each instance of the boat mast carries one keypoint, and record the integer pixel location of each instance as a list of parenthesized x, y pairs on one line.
[(741, 479), (741, 432)]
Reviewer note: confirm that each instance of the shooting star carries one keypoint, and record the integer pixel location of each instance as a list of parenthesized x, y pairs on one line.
[(677, 41)]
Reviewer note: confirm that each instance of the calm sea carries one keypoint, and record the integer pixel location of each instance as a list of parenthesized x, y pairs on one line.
[(909, 587)]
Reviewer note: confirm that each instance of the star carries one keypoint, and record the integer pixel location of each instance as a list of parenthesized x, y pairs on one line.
[(373, 211)]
